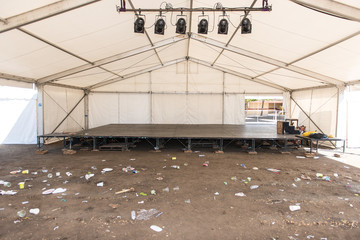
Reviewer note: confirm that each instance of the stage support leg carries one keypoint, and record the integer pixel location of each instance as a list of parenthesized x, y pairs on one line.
[(94, 143), (221, 145), (285, 149), (252, 150), (188, 149), (126, 144), (157, 145)]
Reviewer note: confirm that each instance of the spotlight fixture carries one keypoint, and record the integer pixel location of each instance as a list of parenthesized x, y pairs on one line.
[(181, 26), (203, 26), (246, 26), (223, 26), (139, 25), (160, 26)]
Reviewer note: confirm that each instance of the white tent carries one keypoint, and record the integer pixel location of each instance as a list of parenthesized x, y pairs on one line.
[(91, 69)]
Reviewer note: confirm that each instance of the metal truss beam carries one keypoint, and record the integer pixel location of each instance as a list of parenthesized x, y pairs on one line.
[(43, 13), (114, 80), (229, 71), (111, 59), (333, 8), (16, 78), (268, 60)]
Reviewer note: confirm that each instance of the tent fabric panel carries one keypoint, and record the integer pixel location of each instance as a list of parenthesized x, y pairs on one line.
[(169, 109), (103, 109), (234, 84), (234, 109), (340, 61), (172, 51), (353, 127), (134, 108), (276, 34), (140, 83), (205, 109), (92, 38), (11, 83), (169, 79), (203, 51), (320, 105), (18, 123), (133, 64), (204, 79), (245, 65), (25, 56), (58, 102), (290, 79), (86, 78)]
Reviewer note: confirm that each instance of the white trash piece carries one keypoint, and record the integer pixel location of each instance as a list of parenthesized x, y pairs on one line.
[(100, 184), (49, 191), (294, 208), (34, 211), (240, 194), (88, 176), (59, 190), (156, 228), (254, 187)]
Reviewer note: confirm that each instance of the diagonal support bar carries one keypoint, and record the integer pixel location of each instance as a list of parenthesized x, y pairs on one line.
[(111, 59), (265, 59), (207, 64), (69, 113), (136, 73), (43, 13)]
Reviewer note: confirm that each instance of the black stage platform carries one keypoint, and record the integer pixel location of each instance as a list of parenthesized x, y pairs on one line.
[(159, 134)]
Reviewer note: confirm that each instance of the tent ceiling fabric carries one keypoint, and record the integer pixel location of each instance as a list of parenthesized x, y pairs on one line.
[(88, 44)]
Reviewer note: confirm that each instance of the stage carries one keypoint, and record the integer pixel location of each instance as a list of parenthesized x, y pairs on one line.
[(159, 134)]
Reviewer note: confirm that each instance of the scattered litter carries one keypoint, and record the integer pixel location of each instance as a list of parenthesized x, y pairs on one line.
[(156, 228), (249, 179), (336, 175), (25, 202), (254, 187), (160, 178), (297, 179), (21, 185), (225, 183), (186, 164), (187, 201), (153, 192), (294, 185), (166, 189), (15, 172), (337, 155), (57, 174), (112, 205), (346, 167), (21, 213), (125, 190), (341, 213), (17, 221), (175, 166), (351, 205), (62, 200), (34, 211), (273, 170), (2, 209), (243, 165), (310, 236), (326, 178), (319, 175), (255, 168), (141, 202), (57, 227), (274, 201), (135, 171), (217, 194), (206, 164), (173, 158), (34, 173), (6, 184), (234, 178), (133, 215), (176, 188), (240, 194), (316, 157), (305, 177), (144, 214), (106, 170), (100, 184), (59, 190), (132, 159), (50, 175), (85, 201), (44, 170), (25, 172), (201, 155), (89, 175), (300, 157), (143, 194), (294, 208)]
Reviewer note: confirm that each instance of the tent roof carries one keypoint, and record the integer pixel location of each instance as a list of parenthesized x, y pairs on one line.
[(88, 44)]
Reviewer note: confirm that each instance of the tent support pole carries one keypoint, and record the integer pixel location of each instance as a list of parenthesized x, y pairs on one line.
[(40, 114), (86, 109), (69, 113)]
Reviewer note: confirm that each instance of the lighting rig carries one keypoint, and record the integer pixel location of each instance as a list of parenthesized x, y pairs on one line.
[(203, 20)]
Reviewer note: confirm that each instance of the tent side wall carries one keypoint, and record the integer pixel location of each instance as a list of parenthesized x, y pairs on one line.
[(184, 93), (320, 105), (63, 109)]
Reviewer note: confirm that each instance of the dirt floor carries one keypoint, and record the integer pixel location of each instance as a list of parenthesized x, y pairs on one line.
[(200, 203)]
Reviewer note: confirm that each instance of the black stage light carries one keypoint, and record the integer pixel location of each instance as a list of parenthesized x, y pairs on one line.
[(139, 25), (181, 26), (246, 26), (160, 26), (223, 26), (203, 26)]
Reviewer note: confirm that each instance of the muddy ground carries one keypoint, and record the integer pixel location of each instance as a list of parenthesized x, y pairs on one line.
[(200, 204)]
